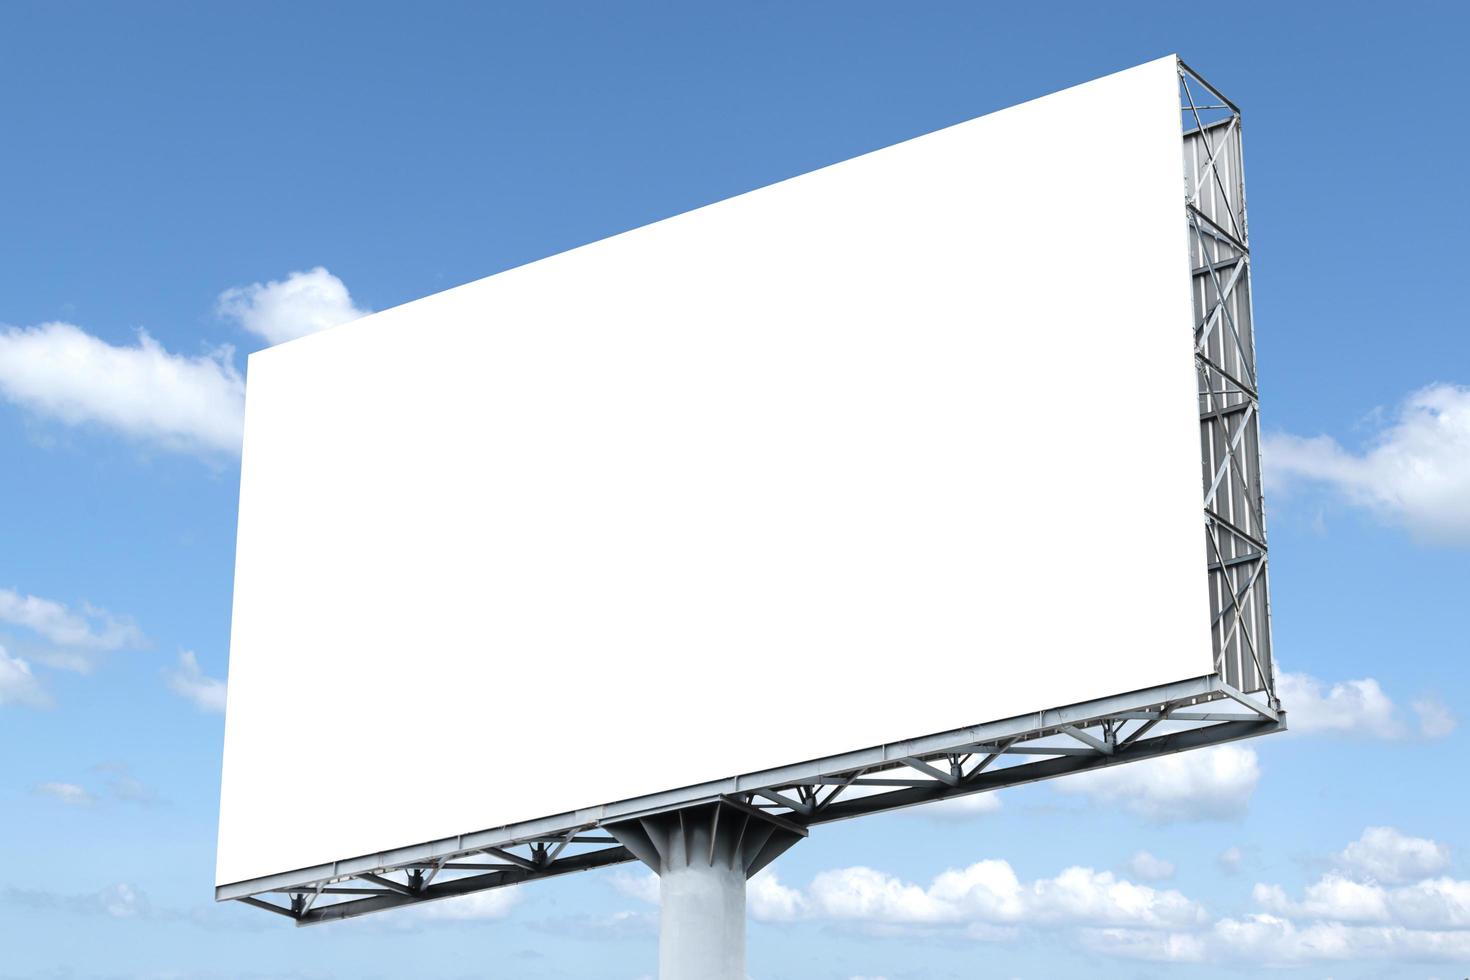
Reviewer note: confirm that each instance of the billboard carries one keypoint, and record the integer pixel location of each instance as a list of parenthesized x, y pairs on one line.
[(905, 445)]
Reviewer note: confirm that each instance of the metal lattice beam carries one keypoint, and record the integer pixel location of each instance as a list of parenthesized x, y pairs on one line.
[(1092, 736), (1229, 402)]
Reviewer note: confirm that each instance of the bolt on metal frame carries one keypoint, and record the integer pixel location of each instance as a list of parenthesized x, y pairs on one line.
[(780, 805)]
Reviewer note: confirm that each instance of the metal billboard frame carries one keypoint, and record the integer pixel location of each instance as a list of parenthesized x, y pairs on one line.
[(774, 808), (1225, 357)]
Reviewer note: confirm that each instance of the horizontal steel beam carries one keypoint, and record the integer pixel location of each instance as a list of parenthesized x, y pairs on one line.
[(464, 886), (992, 738), (1059, 761), (1046, 769)]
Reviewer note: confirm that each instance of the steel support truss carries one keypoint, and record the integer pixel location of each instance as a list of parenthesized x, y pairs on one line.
[(782, 804), (777, 807), (1229, 402)]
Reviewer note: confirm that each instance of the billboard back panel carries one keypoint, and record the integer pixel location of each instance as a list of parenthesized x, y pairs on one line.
[(905, 444)]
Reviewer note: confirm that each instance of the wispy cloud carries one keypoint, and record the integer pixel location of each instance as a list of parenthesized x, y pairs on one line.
[(68, 793), (173, 401), (80, 637), (18, 685), (119, 901), (1147, 867), (129, 789), (596, 927), (1263, 939), (1436, 720), (642, 885), (118, 784), (1415, 471), (188, 681), (92, 628), (300, 304)]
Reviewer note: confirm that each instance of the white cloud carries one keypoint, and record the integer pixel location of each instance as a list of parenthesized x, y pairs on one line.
[(1270, 940), (1385, 855), (1435, 718), (1435, 903), (18, 685), (174, 401), (1333, 897), (771, 901), (1276, 941), (1084, 895), (69, 793), (766, 898), (188, 681), (1357, 707), (492, 903), (863, 893), (300, 304), (1337, 918), (985, 894), (990, 892), (1147, 867), (82, 636), (1230, 860), (120, 785), (1415, 471), (1341, 916), (1349, 707), (93, 629), (1207, 784)]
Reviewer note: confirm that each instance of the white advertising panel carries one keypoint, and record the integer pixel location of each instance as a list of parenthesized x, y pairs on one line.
[(902, 445)]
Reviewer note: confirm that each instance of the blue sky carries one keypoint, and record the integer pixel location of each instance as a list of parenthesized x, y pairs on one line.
[(184, 170)]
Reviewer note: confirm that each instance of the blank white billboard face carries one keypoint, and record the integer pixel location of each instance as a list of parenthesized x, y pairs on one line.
[(903, 445)]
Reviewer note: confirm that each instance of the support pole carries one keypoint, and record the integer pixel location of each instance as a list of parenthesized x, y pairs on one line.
[(701, 929), (703, 856)]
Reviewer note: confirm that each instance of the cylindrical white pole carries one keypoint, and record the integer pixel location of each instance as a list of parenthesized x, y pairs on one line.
[(701, 932), (703, 855)]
